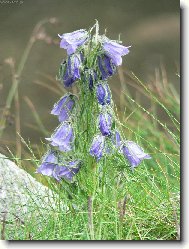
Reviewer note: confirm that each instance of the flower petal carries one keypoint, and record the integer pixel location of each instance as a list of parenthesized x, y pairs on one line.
[(71, 41), (46, 169), (114, 50), (72, 70), (134, 153), (97, 146), (103, 93), (104, 74), (58, 106), (116, 139), (63, 137), (68, 171), (105, 123)]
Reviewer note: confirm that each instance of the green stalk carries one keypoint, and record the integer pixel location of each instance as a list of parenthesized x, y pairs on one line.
[(16, 80), (18, 73)]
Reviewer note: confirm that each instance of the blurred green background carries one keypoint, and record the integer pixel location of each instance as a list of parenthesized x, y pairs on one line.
[(151, 27)]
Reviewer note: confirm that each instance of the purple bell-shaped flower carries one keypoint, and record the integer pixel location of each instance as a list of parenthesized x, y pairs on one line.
[(97, 147), (134, 153), (64, 107), (51, 167), (105, 123), (49, 162), (68, 171), (71, 41), (70, 71), (106, 66), (90, 78), (114, 51), (116, 139), (103, 93), (63, 137)]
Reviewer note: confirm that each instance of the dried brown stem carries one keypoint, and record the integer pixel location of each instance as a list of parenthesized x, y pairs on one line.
[(90, 216), (3, 226)]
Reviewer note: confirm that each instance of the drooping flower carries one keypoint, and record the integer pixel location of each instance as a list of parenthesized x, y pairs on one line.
[(63, 137), (64, 107), (103, 93), (97, 146), (105, 123), (71, 41), (68, 171), (113, 142), (90, 78), (49, 161), (116, 139), (106, 66), (115, 51), (51, 167), (134, 153), (70, 70)]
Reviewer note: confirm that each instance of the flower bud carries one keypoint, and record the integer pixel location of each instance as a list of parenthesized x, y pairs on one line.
[(116, 139), (97, 147), (105, 123), (103, 93), (70, 71), (106, 66), (90, 78)]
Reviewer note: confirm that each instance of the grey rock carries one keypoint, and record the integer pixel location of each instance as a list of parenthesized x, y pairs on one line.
[(22, 200)]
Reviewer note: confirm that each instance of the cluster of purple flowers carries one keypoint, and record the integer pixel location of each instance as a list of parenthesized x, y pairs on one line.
[(132, 151), (93, 76), (63, 138), (52, 165), (108, 57)]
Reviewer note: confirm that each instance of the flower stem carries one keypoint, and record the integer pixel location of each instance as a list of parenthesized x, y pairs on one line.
[(90, 217), (18, 73)]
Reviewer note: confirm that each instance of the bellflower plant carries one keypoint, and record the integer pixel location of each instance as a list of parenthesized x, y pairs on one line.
[(88, 133)]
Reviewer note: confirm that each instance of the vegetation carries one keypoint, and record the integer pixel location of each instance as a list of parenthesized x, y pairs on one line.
[(121, 204)]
